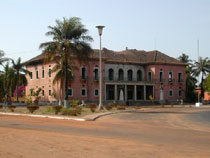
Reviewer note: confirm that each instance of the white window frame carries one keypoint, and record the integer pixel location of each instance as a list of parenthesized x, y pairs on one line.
[(85, 92), (72, 92), (95, 93)]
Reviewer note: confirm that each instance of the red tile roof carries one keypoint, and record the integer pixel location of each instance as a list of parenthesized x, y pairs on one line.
[(126, 56)]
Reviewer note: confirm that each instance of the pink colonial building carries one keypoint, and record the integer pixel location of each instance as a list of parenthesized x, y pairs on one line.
[(129, 76)]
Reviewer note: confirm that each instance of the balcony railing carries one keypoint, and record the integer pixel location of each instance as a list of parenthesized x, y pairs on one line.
[(180, 81), (170, 80), (127, 80), (84, 78)]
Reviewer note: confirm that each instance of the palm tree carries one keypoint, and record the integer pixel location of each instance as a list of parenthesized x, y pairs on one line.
[(59, 69), (184, 58), (70, 39), (202, 66), (2, 59), (19, 68), (8, 81)]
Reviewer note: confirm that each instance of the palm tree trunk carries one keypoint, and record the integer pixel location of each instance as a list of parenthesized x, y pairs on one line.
[(66, 101), (17, 85)]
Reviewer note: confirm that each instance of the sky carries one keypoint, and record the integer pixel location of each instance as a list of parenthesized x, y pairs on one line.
[(170, 26)]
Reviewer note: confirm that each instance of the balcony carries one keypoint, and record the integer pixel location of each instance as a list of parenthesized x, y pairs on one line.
[(170, 80), (83, 78), (180, 81)]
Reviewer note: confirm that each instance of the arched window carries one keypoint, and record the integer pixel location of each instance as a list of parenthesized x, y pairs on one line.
[(120, 75), (139, 75), (96, 74), (111, 74), (130, 75)]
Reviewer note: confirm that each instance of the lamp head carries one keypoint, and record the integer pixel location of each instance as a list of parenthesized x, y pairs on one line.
[(100, 29)]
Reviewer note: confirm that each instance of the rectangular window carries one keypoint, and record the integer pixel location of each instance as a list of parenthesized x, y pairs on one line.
[(42, 92), (170, 93), (179, 77), (50, 72), (70, 92), (50, 92), (42, 73), (83, 73), (180, 93), (96, 74), (37, 74), (31, 75), (96, 92), (83, 91), (170, 77), (161, 76), (149, 76)]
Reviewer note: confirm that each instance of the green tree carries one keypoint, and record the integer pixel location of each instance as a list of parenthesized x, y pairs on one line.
[(19, 69), (70, 39), (190, 80), (8, 80), (206, 83), (184, 58), (59, 69), (201, 67)]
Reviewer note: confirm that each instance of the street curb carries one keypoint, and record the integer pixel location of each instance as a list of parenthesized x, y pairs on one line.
[(68, 118)]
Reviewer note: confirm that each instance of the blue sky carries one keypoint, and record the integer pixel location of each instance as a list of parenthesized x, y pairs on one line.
[(174, 25)]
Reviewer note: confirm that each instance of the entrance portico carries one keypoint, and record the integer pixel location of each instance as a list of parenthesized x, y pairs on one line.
[(128, 92)]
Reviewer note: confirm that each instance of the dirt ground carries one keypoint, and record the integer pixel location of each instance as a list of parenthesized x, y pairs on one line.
[(152, 133)]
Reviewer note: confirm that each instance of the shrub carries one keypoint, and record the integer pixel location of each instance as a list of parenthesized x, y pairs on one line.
[(121, 108), (113, 104), (75, 102), (57, 109), (32, 108), (92, 107), (12, 107), (108, 107), (71, 111), (74, 105)]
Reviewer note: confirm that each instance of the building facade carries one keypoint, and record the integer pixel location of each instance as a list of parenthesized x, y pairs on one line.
[(129, 76)]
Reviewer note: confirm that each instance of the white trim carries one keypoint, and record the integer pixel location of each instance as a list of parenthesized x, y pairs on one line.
[(85, 92), (72, 92)]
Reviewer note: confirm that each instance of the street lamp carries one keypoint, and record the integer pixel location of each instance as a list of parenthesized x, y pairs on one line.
[(100, 29)]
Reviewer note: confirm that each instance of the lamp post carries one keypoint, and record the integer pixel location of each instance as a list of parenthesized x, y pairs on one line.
[(100, 29)]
